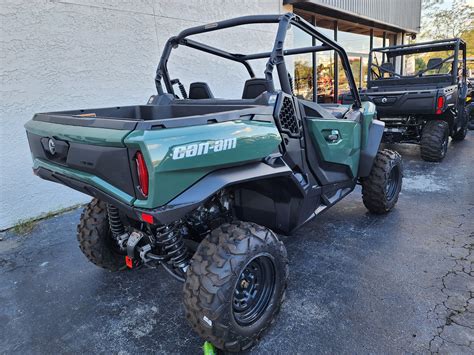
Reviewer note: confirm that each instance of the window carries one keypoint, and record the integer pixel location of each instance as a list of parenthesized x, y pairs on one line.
[(354, 42), (325, 75), (303, 66), (357, 47), (325, 66), (320, 70)]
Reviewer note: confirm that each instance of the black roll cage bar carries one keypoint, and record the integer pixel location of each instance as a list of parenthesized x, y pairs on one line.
[(456, 44), (276, 56)]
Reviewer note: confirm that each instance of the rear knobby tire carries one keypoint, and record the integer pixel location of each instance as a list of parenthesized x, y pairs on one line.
[(381, 188), (95, 238), (215, 290), (434, 141)]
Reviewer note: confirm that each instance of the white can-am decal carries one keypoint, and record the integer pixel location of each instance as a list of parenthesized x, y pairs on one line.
[(196, 149)]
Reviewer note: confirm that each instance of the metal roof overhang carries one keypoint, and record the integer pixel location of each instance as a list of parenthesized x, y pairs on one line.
[(331, 11)]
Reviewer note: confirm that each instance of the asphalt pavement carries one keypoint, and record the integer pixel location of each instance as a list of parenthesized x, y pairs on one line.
[(359, 283)]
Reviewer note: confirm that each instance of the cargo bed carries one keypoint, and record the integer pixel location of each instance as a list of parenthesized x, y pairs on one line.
[(155, 117)]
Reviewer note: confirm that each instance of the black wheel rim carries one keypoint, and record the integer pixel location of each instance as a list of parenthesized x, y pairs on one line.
[(254, 290), (393, 183)]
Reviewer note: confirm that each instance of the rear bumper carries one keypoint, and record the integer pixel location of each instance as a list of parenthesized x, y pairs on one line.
[(86, 178), (160, 215), (84, 187)]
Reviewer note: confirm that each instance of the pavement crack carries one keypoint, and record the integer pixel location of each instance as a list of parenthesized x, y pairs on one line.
[(458, 304)]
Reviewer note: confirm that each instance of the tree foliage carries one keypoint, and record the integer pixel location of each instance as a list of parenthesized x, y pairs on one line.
[(443, 19)]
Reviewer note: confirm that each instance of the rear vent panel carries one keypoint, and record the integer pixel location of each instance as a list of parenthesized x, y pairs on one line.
[(288, 121)]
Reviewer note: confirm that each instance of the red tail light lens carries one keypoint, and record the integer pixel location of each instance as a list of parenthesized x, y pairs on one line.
[(148, 218), (439, 105), (142, 173)]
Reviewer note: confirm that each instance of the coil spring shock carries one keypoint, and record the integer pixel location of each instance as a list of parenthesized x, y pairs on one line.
[(172, 244), (115, 223)]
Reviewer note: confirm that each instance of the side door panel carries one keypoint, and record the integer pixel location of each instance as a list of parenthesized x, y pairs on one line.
[(337, 140)]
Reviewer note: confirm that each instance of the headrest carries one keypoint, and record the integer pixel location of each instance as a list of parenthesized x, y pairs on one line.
[(387, 67), (434, 63), (256, 86), (198, 91)]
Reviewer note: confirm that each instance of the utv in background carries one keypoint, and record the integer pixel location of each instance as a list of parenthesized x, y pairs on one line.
[(421, 104), (470, 98)]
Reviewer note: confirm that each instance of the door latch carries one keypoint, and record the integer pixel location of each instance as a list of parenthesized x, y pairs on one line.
[(333, 136)]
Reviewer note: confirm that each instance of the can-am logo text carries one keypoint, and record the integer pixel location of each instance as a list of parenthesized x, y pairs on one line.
[(196, 149)]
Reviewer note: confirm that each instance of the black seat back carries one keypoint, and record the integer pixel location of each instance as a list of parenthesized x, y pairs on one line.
[(388, 68), (434, 63), (256, 86), (199, 91)]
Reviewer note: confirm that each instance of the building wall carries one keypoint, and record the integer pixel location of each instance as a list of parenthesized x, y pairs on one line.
[(58, 55)]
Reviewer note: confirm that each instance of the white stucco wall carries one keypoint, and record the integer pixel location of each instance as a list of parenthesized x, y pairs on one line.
[(57, 55)]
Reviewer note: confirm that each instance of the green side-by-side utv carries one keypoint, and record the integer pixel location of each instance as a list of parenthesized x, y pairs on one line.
[(201, 185)]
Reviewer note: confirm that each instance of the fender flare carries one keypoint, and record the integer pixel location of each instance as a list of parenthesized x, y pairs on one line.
[(367, 155), (211, 184)]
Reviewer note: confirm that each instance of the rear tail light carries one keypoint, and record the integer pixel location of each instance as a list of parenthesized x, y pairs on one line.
[(142, 173), (439, 105)]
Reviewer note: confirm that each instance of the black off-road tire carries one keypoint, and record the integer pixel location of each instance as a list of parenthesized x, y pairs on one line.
[(95, 237), (470, 116), (434, 141), (470, 124), (380, 190), (461, 134), (215, 275)]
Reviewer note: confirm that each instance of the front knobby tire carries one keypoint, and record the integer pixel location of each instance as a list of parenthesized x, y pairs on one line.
[(380, 190), (434, 141), (95, 238), (235, 285)]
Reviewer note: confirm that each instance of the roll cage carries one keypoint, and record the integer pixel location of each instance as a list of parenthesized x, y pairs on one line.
[(275, 58), (389, 53)]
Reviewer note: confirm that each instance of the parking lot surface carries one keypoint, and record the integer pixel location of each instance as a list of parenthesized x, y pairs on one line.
[(359, 283)]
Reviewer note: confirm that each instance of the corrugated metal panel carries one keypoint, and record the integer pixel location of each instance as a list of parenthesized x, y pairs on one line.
[(404, 14)]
